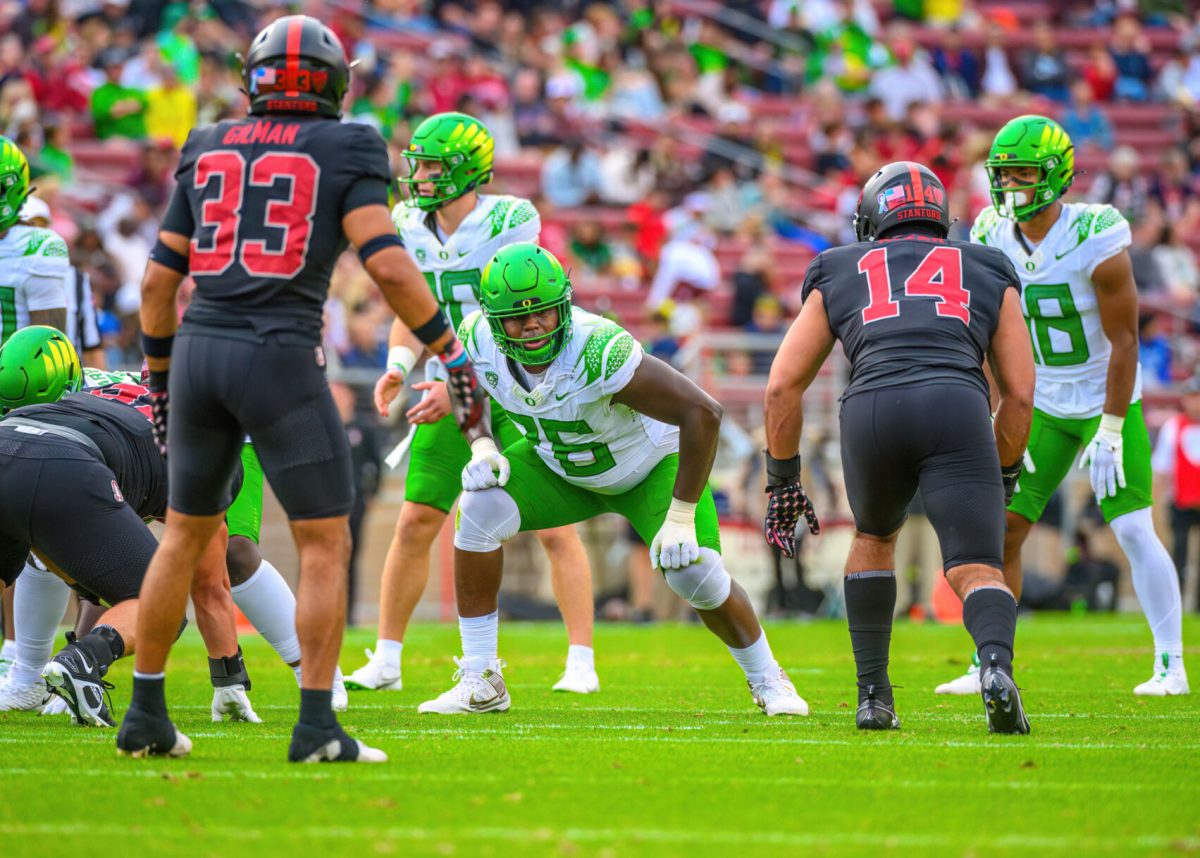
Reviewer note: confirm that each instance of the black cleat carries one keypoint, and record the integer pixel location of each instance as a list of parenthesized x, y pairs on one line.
[(874, 714), (314, 745), (76, 678), (145, 735), (1002, 703)]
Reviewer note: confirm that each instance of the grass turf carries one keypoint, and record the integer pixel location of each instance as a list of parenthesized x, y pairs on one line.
[(670, 758)]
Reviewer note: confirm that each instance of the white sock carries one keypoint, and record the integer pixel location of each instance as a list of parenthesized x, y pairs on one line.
[(480, 637), (39, 603), (388, 651), (270, 606), (585, 654), (1154, 581), (8, 650), (756, 660)]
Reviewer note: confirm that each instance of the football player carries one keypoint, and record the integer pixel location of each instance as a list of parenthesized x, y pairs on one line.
[(78, 459), (1081, 305), (917, 315), (452, 231), (35, 266), (605, 428), (262, 208)]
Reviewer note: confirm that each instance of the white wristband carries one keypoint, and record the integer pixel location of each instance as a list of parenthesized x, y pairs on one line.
[(1110, 423), (681, 512), (483, 446), (401, 358)]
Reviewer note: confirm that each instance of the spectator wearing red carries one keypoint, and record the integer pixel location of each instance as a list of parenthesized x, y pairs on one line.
[(1177, 456)]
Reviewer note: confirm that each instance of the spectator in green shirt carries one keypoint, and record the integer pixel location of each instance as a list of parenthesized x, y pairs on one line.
[(118, 110)]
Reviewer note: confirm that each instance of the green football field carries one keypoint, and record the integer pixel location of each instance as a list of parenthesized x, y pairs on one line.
[(671, 758)]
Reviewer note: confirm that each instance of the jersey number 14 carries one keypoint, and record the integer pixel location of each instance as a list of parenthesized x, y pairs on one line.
[(938, 275)]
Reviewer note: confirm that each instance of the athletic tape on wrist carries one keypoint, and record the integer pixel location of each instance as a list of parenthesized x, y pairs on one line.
[(402, 358)]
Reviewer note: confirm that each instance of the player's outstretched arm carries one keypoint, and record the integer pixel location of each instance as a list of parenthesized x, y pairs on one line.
[(801, 356), (1117, 301), (665, 394), (1010, 358)]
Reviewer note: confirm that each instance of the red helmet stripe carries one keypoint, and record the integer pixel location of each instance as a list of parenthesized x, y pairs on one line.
[(918, 189), (294, 33)]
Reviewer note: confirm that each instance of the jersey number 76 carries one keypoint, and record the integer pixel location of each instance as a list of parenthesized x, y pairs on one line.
[(268, 254)]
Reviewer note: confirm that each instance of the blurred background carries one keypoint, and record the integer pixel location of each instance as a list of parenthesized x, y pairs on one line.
[(688, 159)]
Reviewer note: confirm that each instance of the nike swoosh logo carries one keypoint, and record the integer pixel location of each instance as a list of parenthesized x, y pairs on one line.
[(84, 661), (463, 253), (558, 398)]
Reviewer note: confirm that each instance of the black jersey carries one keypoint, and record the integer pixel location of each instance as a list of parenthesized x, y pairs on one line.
[(124, 437), (912, 310), (262, 199)]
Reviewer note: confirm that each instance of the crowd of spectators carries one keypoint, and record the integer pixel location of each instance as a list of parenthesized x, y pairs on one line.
[(655, 170)]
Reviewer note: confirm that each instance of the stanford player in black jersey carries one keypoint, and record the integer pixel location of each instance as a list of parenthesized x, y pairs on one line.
[(262, 208), (917, 315), (78, 479)]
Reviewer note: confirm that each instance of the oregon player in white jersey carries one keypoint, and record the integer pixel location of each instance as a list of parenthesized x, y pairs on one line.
[(605, 429), (33, 270), (452, 231), (1080, 302)]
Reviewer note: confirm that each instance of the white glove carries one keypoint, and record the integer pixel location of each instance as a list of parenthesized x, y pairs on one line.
[(675, 545), (487, 467), (231, 701), (1105, 457)]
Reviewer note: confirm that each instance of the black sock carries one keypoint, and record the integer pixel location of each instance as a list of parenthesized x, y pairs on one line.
[(316, 708), (149, 696), (990, 615), (870, 602), (104, 644)]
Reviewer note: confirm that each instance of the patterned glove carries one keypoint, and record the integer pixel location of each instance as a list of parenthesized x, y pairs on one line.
[(156, 381), (466, 396), (1009, 475), (787, 503)]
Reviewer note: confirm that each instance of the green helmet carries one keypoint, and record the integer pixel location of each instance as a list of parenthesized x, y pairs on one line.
[(462, 145), (523, 279), (38, 364), (14, 182), (1030, 141)]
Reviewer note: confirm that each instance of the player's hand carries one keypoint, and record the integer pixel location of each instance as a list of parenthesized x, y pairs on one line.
[(156, 382), (675, 545), (1105, 459), (466, 396), (1009, 476), (387, 388), (787, 503), (487, 468), (434, 405)]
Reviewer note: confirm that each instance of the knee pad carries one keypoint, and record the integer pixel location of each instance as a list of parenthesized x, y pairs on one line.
[(485, 520), (705, 584)]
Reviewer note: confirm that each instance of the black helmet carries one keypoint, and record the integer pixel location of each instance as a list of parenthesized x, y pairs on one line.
[(900, 193), (296, 65)]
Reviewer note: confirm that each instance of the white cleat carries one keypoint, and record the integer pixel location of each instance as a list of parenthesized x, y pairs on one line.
[(341, 697), (1167, 681), (24, 698), (579, 678), (966, 684), (6, 666), (480, 688), (56, 706), (378, 674), (231, 703), (776, 695)]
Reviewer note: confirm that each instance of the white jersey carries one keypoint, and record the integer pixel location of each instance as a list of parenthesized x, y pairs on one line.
[(453, 268), (569, 415), (1060, 305), (34, 265)]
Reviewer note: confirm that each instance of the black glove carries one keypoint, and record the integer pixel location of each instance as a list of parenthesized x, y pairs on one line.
[(157, 384), (1009, 475), (787, 503), (466, 396)]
